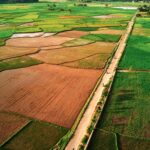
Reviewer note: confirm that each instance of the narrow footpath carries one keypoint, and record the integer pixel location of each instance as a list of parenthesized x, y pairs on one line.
[(86, 119)]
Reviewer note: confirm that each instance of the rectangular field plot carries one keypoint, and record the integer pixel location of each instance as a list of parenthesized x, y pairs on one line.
[(137, 52), (19, 62), (80, 56), (36, 136), (102, 140), (10, 124), (50, 93), (127, 109)]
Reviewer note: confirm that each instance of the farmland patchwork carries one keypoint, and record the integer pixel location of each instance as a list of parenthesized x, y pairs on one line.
[(50, 61)]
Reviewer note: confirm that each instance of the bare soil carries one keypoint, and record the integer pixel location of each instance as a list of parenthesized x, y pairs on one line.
[(47, 92), (10, 124), (37, 41), (73, 34)]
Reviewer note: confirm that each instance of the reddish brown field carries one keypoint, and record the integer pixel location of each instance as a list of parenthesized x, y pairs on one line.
[(47, 92), (37, 42), (10, 124), (73, 34)]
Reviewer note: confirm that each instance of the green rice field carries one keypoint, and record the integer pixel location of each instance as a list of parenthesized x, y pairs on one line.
[(126, 113), (138, 47)]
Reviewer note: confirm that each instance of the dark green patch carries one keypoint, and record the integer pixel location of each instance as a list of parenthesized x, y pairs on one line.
[(18, 63), (134, 104), (36, 136), (102, 37), (102, 140), (126, 142), (137, 54), (118, 27), (86, 28)]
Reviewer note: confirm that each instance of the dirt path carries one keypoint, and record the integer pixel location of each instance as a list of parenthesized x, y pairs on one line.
[(86, 119)]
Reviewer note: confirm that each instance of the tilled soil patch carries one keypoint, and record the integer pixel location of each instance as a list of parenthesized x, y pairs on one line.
[(73, 34), (37, 41), (47, 92), (10, 124)]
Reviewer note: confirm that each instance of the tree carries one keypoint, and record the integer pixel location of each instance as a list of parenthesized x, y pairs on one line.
[(17, 1)]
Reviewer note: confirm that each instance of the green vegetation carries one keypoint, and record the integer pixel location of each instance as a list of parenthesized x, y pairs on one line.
[(136, 56), (86, 28), (102, 140), (14, 18), (125, 118), (19, 62), (126, 142), (77, 42), (97, 61), (17, 1), (127, 109), (102, 37), (37, 135), (2, 42)]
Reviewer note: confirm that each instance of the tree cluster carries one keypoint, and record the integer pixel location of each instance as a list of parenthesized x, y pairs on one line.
[(16, 1)]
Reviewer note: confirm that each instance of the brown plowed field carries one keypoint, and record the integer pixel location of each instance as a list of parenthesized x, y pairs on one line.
[(37, 41), (69, 54), (10, 124), (47, 92), (73, 34), (9, 52)]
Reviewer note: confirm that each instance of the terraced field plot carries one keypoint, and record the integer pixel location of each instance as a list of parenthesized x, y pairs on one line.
[(78, 56)]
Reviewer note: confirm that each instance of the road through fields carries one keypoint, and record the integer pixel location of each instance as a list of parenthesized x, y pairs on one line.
[(109, 74)]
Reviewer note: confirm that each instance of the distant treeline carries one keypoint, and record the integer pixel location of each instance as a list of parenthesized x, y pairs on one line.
[(111, 0), (17, 1)]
